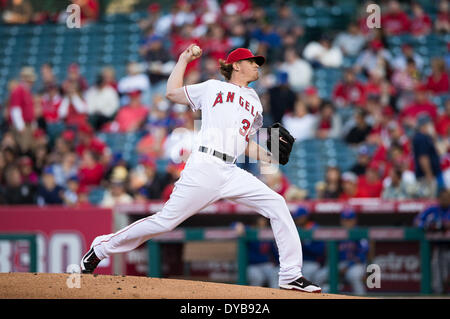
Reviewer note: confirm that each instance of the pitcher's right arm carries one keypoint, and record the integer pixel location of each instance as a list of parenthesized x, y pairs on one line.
[(174, 89)]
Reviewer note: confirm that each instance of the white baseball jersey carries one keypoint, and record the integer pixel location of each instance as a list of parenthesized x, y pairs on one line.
[(230, 114)]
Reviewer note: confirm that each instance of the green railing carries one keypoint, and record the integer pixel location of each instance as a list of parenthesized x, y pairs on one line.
[(32, 239), (331, 235)]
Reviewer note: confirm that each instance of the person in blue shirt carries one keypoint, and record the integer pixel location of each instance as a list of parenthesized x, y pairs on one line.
[(436, 219), (426, 159), (49, 193), (352, 258), (262, 267), (313, 250)]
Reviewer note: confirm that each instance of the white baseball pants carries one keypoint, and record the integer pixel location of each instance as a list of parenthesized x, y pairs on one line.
[(204, 180)]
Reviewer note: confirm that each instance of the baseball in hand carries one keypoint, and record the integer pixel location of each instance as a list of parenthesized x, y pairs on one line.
[(196, 51)]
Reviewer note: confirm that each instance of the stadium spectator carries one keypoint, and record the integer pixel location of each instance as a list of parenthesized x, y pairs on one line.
[(90, 171), (134, 80), (420, 105), (74, 77), (174, 173), (300, 72), (18, 12), (406, 81), (329, 123), (88, 141), (352, 259), (65, 170), (287, 22), (395, 188), (116, 194), (109, 77), (400, 60), (48, 78), (333, 183), (102, 102), (374, 58), (426, 159), (131, 117), (395, 21), (29, 176), (15, 191), (216, 43), (351, 41), (73, 108), (362, 161), (301, 124), (71, 193), (312, 99), (50, 102), (239, 35), (278, 182), (436, 219), (262, 268), (313, 250), (378, 87), (370, 184), (89, 10), (323, 53), (281, 98), (442, 23), (438, 82), (21, 109), (361, 129), (350, 187), (443, 122), (421, 22), (350, 91), (237, 7), (159, 62), (155, 181), (49, 193)]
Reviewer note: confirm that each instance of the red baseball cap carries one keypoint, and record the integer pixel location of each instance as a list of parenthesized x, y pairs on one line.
[(244, 54)]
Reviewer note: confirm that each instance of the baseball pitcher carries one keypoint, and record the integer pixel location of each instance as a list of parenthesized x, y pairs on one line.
[(231, 112)]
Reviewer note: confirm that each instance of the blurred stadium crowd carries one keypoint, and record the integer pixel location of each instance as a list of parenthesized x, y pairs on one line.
[(384, 93)]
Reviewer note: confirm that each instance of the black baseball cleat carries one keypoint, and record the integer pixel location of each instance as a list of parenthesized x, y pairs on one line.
[(302, 284), (89, 262)]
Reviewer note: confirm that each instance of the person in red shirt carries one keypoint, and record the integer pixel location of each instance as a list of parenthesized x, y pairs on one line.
[(21, 109), (180, 41), (131, 116), (349, 91), (90, 10), (370, 184), (74, 76), (422, 23), (87, 141), (438, 82), (216, 44), (91, 171), (395, 21), (420, 105), (73, 108), (350, 188), (50, 102)]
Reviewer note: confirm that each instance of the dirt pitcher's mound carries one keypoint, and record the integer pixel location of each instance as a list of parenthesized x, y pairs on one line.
[(40, 285)]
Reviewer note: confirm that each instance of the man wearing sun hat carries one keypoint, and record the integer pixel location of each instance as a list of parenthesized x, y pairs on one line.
[(231, 113)]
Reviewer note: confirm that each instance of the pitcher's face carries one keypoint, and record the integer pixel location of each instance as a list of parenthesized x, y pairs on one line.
[(249, 69)]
